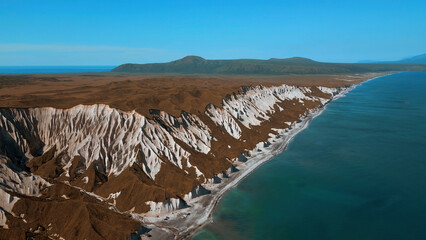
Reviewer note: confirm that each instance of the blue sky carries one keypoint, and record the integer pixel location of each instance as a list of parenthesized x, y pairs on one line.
[(41, 32)]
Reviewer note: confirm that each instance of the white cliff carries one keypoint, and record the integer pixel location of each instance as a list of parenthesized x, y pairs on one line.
[(222, 118), (189, 129), (113, 140), (256, 104), (332, 91), (109, 138), (166, 206)]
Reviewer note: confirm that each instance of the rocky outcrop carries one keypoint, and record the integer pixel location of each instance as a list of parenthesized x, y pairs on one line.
[(222, 118), (166, 206), (110, 139), (256, 104), (188, 128), (20, 181)]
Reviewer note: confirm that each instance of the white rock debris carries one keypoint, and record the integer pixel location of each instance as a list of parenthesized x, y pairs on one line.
[(6, 204), (114, 195), (85, 179), (197, 171), (65, 196)]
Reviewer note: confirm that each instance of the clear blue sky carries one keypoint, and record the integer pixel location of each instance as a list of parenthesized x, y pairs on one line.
[(41, 32)]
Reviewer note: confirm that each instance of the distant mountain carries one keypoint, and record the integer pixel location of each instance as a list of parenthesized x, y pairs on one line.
[(419, 59), (294, 65)]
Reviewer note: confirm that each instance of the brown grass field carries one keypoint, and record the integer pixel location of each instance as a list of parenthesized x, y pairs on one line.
[(171, 93)]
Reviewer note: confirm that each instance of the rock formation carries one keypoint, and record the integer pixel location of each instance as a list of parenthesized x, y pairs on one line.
[(121, 164)]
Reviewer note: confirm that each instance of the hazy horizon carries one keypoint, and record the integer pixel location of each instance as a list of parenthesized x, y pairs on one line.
[(110, 33)]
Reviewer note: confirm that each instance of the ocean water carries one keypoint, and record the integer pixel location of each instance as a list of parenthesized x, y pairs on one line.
[(357, 172), (52, 69)]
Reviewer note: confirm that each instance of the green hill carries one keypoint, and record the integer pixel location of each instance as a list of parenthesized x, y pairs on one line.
[(295, 65)]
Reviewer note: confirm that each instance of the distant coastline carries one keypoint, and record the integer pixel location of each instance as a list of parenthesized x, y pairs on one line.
[(52, 69)]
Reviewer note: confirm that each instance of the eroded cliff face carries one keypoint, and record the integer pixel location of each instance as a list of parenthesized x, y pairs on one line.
[(133, 163)]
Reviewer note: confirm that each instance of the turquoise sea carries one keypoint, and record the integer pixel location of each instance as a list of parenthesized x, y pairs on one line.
[(357, 172)]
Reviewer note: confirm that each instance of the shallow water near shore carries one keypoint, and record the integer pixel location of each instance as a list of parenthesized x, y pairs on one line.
[(357, 172)]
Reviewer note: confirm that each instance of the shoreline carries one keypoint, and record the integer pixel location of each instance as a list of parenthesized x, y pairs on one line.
[(280, 148), (317, 112), (184, 223)]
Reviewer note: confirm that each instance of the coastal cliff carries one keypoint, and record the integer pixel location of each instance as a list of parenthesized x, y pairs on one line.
[(131, 167)]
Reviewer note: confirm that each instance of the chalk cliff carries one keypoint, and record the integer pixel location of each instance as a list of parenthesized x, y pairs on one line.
[(130, 163)]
